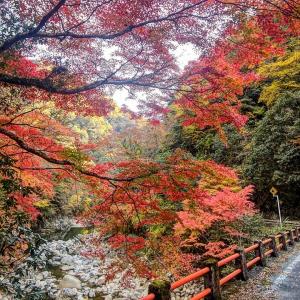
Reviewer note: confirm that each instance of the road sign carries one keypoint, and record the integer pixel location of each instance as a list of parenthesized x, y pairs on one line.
[(273, 191)]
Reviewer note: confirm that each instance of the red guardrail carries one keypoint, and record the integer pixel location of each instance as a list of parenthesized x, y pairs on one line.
[(251, 248), (230, 276), (201, 295), (149, 297), (213, 285), (267, 241), (227, 260), (189, 278)]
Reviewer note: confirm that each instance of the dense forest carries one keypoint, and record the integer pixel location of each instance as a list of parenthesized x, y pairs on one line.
[(182, 171)]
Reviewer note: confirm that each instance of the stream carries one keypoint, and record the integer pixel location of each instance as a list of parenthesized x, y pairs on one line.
[(68, 266), (62, 269)]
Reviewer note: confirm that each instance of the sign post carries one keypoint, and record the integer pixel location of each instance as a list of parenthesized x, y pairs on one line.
[(274, 192)]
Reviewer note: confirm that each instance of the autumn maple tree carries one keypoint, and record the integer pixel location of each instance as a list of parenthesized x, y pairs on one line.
[(69, 56)]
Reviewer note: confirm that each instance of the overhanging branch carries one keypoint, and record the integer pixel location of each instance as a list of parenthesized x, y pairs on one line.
[(64, 162), (20, 37)]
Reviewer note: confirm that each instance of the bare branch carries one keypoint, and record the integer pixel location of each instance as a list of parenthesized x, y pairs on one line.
[(20, 37)]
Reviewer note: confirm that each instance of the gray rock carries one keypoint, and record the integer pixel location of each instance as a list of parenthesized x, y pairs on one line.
[(39, 276), (72, 272), (101, 280), (45, 274), (56, 253), (67, 260), (93, 281), (70, 281), (40, 284), (52, 295), (56, 258), (49, 281), (43, 256), (70, 292), (92, 293), (96, 263), (84, 277), (98, 290), (85, 292), (54, 263), (94, 272), (67, 268)]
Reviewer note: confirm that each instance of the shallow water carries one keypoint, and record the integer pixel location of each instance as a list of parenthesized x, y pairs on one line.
[(56, 271)]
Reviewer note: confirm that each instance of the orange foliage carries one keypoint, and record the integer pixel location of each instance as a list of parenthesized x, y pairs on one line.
[(184, 196)]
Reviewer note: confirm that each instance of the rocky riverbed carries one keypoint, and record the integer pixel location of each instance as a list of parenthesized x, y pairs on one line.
[(61, 269)]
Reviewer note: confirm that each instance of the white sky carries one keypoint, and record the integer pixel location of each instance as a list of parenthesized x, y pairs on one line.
[(183, 55)]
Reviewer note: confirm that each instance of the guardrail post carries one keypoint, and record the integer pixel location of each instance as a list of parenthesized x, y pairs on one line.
[(259, 252), (291, 237), (273, 246), (241, 263), (161, 289), (212, 280), (283, 241), (297, 234)]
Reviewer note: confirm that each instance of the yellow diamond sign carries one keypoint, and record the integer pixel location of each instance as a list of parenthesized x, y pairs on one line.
[(273, 191)]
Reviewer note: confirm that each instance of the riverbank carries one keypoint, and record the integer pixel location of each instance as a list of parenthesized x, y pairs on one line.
[(63, 270), (71, 265)]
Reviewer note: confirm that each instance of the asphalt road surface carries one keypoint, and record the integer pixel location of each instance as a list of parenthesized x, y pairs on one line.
[(287, 283)]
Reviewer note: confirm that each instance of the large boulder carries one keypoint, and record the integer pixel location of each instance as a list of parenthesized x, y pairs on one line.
[(70, 281)]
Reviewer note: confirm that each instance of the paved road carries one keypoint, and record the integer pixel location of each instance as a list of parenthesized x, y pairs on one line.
[(280, 280), (287, 284)]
